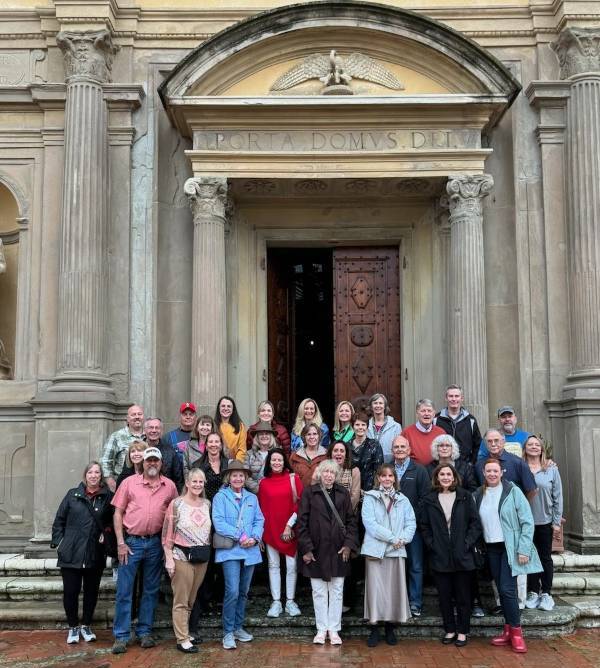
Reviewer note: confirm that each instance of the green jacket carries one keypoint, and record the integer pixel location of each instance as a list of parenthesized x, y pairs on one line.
[(517, 526)]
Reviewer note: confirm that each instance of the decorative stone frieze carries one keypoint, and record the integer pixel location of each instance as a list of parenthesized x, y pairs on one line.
[(467, 330), (209, 201), (578, 51), (87, 54)]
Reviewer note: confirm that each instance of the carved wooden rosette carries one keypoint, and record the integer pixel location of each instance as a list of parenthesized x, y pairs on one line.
[(467, 331), (208, 197), (88, 55)]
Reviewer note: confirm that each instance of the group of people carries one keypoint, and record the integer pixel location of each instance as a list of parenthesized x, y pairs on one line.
[(208, 500)]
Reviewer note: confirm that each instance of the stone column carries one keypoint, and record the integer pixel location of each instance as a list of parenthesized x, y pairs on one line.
[(208, 200), (82, 307), (468, 347), (576, 416), (578, 52)]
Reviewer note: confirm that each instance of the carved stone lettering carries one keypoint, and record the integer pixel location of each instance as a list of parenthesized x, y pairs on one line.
[(13, 68), (326, 141)]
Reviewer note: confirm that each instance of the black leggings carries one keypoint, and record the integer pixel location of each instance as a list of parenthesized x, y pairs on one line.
[(542, 539), (72, 579)]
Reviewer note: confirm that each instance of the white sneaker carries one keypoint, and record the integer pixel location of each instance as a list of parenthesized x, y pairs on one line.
[(229, 641), (292, 609), (532, 601), (334, 638), (275, 610), (319, 639), (73, 636), (87, 634), (546, 602)]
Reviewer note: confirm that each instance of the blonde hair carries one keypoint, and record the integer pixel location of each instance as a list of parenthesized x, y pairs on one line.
[(336, 422), (299, 424), (328, 465), (134, 446), (543, 457), (188, 474)]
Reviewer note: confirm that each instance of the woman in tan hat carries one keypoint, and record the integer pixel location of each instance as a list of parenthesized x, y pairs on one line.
[(238, 523), (263, 441)]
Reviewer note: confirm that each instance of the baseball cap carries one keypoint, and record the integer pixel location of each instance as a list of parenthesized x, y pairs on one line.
[(187, 406), (152, 452), (505, 409)]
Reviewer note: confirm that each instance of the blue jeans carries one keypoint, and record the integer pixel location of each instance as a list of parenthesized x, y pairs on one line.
[(414, 561), (147, 553), (505, 582), (237, 583)]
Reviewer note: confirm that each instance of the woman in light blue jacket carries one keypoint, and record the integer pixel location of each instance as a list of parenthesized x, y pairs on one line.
[(508, 533), (389, 522), (236, 515), (382, 426)]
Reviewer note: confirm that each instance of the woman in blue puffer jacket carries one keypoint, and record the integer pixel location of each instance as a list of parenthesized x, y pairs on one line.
[(389, 522)]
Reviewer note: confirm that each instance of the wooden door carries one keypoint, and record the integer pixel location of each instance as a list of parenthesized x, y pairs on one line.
[(280, 333), (367, 325)]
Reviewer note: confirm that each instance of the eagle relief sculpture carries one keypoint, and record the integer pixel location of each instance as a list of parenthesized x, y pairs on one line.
[(336, 72)]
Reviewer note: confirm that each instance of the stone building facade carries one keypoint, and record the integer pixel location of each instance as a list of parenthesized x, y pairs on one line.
[(155, 157)]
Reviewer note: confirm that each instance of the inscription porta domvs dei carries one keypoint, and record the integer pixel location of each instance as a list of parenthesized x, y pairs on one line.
[(394, 140)]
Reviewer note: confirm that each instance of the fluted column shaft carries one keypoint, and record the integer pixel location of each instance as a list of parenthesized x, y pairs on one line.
[(208, 200), (578, 51), (467, 344), (82, 324)]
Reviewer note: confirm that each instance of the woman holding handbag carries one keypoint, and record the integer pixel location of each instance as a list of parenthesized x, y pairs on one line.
[(327, 534), (186, 543), (278, 494), (78, 532), (238, 523)]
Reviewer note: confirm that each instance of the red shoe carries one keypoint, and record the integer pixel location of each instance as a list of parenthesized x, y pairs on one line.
[(504, 639), (516, 640)]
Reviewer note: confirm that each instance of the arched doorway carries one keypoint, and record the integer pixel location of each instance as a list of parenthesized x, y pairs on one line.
[(9, 258)]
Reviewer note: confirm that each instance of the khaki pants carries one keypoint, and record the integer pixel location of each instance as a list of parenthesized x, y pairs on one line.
[(185, 583)]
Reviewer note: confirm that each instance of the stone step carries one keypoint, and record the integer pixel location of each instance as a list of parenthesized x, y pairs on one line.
[(569, 561), (564, 619)]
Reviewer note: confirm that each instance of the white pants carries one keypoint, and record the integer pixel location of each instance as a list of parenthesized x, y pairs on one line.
[(275, 575), (327, 601), (522, 588)]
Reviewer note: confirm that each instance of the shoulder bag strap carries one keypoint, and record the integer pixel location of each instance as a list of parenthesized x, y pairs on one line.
[(333, 508), (293, 484)]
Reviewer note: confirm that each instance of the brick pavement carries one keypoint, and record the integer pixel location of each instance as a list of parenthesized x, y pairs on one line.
[(39, 649)]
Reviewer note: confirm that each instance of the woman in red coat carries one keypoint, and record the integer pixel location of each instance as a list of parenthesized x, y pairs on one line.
[(278, 495), (266, 413)]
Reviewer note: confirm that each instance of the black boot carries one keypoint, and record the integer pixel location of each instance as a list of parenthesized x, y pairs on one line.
[(390, 634), (373, 639)]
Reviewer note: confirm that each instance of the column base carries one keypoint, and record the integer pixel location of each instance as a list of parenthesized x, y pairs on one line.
[(575, 440), (70, 382)]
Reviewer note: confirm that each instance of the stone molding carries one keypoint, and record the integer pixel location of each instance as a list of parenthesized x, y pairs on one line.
[(208, 198), (466, 192), (578, 51), (88, 55)]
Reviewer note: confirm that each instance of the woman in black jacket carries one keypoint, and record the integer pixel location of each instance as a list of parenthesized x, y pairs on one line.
[(77, 533), (450, 526)]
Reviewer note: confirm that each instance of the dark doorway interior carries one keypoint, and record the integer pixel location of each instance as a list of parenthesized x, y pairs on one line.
[(300, 312)]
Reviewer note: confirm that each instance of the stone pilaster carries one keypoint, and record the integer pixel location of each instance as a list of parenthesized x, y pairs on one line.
[(208, 200), (578, 52), (467, 332), (82, 308)]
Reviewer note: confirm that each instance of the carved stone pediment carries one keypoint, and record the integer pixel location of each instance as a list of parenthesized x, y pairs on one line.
[(336, 73)]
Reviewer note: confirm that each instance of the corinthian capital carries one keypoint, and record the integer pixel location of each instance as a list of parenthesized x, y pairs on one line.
[(208, 198), (465, 193), (578, 51), (88, 55)]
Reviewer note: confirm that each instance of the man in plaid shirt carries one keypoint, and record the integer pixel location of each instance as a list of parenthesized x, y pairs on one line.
[(115, 448)]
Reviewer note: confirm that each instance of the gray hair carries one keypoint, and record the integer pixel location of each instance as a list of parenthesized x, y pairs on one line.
[(490, 430), (328, 465), (424, 402), (444, 438)]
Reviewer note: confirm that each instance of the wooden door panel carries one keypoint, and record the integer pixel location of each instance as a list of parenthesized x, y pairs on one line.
[(367, 325), (280, 339)]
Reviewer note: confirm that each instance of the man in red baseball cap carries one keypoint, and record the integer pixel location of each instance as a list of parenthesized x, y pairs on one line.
[(179, 438)]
